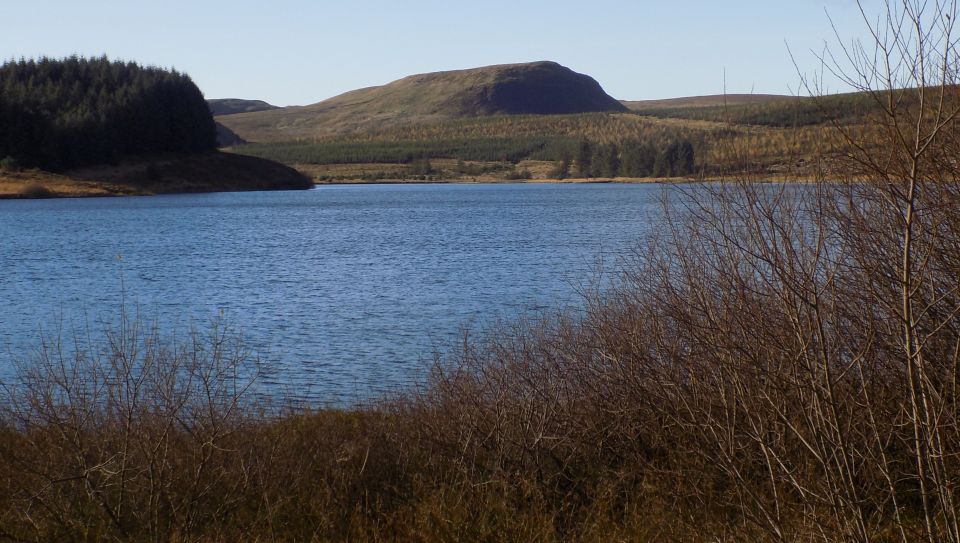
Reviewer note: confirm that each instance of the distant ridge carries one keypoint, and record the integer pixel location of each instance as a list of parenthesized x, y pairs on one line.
[(231, 106), (705, 101), (537, 88)]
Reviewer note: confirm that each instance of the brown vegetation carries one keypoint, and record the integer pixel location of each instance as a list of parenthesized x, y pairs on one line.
[(159, 174), (780, 363), (721, 147)]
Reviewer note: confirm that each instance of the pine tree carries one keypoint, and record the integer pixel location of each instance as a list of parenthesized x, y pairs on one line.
[(611, 161), (585, 159), (64, 113), (562, 170)]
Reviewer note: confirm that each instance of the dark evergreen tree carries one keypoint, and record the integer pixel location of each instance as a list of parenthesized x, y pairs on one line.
[(585, 159), (685, 159), (57, 114), (678, 159), (562, 171), (637, 159), (610, 163), (596, 161)]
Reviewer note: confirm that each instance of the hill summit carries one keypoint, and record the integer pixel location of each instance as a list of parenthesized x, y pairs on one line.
[(537, 88), (540, 88)]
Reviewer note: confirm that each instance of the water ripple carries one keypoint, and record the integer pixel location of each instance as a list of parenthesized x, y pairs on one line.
[(345, 291)]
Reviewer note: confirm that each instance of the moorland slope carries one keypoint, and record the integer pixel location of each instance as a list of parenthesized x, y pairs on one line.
[(538, 88)]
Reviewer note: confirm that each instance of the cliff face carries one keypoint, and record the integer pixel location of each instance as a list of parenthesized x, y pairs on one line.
[(540, 88), (537, 88)]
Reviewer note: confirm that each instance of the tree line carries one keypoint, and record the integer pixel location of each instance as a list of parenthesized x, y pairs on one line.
[(631, 159), (582, 157), (62, 113), (409, 151)]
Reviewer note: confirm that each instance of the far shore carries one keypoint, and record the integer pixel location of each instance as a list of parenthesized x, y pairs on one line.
[(583, 181), (493, 181), (155, 174), (42, 185)]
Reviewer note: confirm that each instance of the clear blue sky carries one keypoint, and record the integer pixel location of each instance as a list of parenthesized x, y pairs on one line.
[(301, 51)]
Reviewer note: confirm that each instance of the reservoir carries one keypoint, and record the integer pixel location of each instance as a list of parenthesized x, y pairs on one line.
[(344, 291)]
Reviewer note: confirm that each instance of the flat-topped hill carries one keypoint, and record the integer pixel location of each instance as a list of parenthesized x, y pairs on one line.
[(539, 88)]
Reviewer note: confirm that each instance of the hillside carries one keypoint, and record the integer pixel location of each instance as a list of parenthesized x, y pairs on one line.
[(539, 88), (761, 110), (230, 106), (704, 101), (508, 122)]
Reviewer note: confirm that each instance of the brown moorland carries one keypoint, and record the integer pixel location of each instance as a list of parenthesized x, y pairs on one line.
[(534, 88)]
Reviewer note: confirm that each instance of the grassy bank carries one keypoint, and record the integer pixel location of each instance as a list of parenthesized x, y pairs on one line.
[(155, 174)]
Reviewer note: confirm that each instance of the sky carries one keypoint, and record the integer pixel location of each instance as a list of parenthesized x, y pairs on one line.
[(295, 52)]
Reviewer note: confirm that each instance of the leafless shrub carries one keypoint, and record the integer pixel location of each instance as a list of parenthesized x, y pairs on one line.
[(786, 356), (130, 441)]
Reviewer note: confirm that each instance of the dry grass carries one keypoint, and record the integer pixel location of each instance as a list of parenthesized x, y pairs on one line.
[(159, 174), (444, 170), (24, 184)]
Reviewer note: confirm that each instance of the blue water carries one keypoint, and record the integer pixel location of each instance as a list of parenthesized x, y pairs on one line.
[(344, 291)]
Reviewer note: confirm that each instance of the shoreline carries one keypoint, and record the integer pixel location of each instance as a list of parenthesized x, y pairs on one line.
[(155, 174), (570, 181), (38, 184)]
